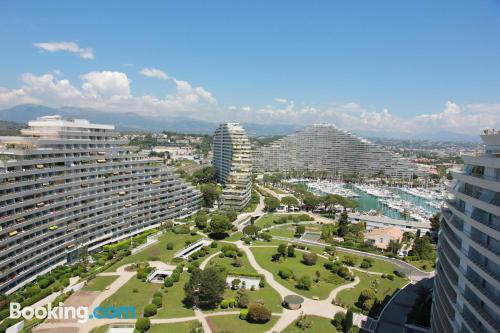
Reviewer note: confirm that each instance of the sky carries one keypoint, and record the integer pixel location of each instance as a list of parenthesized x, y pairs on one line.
[(398, 66)]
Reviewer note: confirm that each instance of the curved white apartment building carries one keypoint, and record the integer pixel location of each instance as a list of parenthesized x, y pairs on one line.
[(68, 184), (232, 162), (467, 283), (324, 147)]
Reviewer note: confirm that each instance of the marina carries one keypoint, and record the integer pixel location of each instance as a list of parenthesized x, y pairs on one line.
[(416, 204)]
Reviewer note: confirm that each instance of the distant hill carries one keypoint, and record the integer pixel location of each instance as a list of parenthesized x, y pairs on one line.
[(134, 122), (9, 128)]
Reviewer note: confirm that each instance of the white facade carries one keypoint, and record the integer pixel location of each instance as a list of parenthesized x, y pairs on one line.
[(71, 184), (327, 148), (467, 284), (233, 165)]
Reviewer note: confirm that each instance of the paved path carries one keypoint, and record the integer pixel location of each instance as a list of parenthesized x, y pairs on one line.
[(205, 262), (322, 308)]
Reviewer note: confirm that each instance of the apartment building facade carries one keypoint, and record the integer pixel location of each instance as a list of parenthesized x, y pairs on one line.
[(233, 164), (70, 184), (326, 148), (467, 283)]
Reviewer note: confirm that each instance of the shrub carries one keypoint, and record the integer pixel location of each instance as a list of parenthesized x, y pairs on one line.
[(175, 277), (328, 265), (290, 251), (214, 245), (309, 258), (142, 324), (304, 282), (350, 261), (258, 313), (170, 246), (181, 229), (158, 294), (266, 237), (366, 294), (338, 320), (224, 304), (347, 324), (157, 301), (168, 282), (303, 322), (344, 272), (243, 300), (285, 273), (390, 276), (243, 314), (400, 274), (150, 310), (368, 304)]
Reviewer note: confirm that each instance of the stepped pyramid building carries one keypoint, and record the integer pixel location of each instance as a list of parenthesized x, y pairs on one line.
[(232, 162), (327, 148), (70, 184)]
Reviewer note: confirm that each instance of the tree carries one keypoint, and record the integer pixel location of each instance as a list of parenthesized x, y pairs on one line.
[(271, 204), (290, 251), (394, 246), (242, 298), (338, 320), (235, 284), (423, 249), (201, 220), (304, 282), (205, 175), (205, 288), (347, 324), (258, 313), (220, 223), (142, 324), (282, 249), (251, 230), (285, 273), (303, 322), (150, 310), (210, 194), (309, 258), (237, 262), (435, 221), (311, 200), (299, 230), (343, 222), (289, 201)]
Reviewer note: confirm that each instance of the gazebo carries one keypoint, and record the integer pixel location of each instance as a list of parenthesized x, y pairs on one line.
[(293, 302)]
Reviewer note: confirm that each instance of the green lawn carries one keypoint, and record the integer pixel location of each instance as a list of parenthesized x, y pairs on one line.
[(284, 231), (319, 325), (268, 219), (183, 327), (157, 251), (227, 263), (234, 237), (99, 283), (384, 288), (328, 280), (172, 301), (425, 265), (380, 266), (233, 323), (268, 295), (125, 296)]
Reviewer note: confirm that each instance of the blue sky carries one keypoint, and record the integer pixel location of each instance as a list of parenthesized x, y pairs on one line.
[(407, 65)]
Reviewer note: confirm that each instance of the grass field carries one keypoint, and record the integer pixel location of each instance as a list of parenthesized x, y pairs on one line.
[(328, 280), (234, 237), (319, 325), (425, 265), (158, 250), (384, 288), (183, 327), (268, 295), (233, 323), (125, 296), (380, 266), (99, 283), (269, 219), (172, 301), (227, 263)]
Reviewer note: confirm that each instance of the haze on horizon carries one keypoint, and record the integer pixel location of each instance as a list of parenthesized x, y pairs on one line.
[(371, 67)]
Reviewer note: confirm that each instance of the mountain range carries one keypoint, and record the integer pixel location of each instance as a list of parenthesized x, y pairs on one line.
[(134, 122)]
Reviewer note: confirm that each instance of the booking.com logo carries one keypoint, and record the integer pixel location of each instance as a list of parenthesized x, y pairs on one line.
[(81, 313)]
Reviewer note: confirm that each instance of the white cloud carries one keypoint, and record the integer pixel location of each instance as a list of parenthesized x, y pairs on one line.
[(246, 108), (280, 100), (154, 73), (84, 53), (232, 108), (106, 84)]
